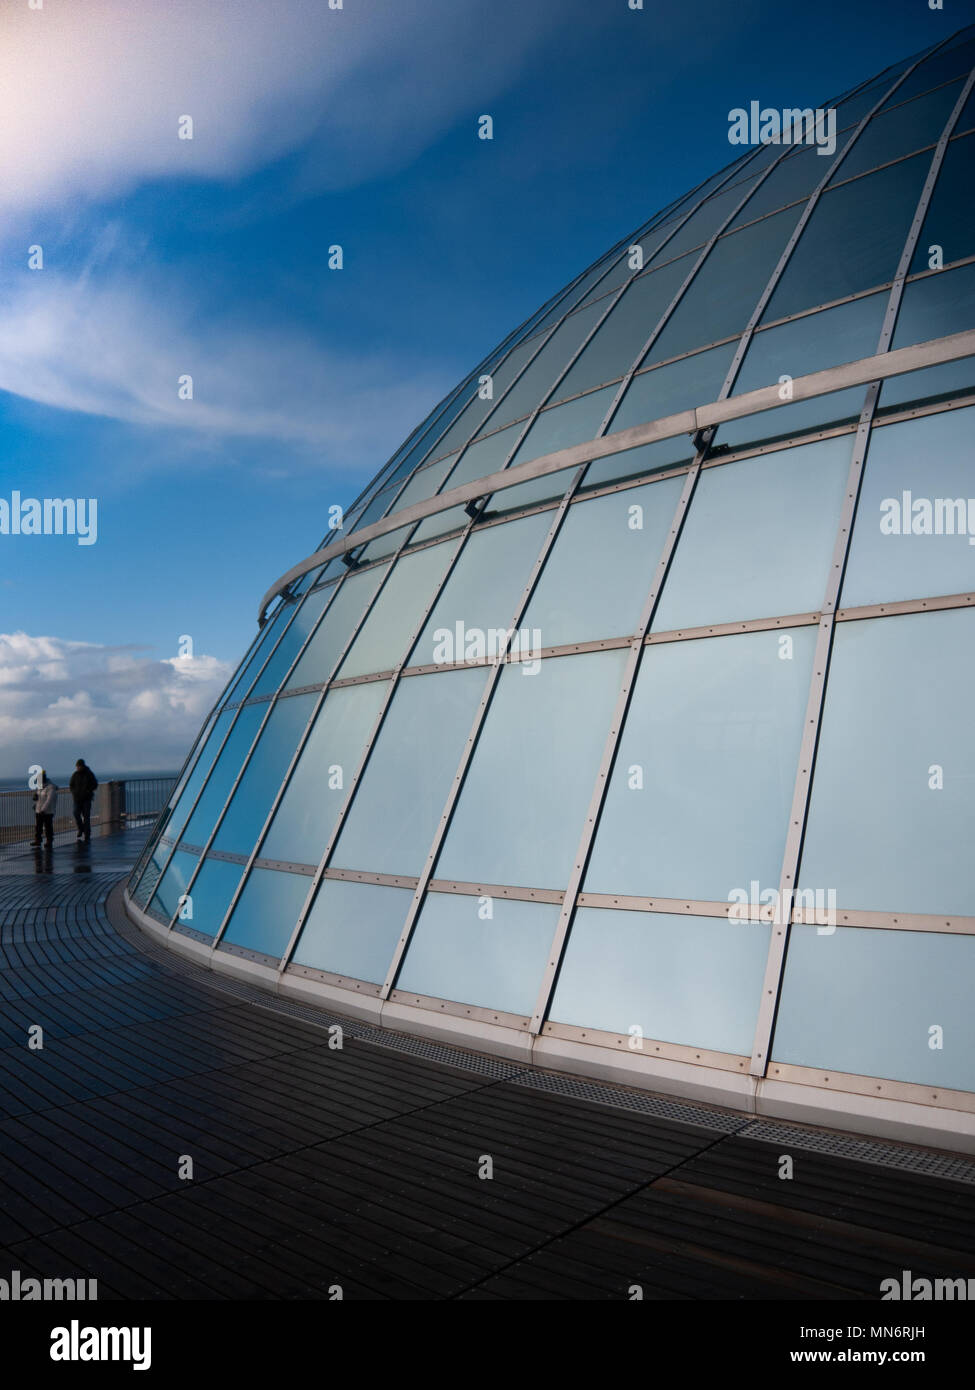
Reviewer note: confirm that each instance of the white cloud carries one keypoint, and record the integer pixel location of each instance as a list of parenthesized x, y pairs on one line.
[(112, 706), (114, 348), (91, 91)]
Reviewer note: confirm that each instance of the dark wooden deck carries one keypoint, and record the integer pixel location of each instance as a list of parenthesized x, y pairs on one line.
[(315, 1167)]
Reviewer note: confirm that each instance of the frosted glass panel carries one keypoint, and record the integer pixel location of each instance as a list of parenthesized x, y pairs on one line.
[(919, 474), (484, 587), (882, 832), (524, 801), (758, 539), (353, 929), (598, 574), (493, 963), (863, 1001), (698, 803), (681, 979), (320, 783), (403, 790)]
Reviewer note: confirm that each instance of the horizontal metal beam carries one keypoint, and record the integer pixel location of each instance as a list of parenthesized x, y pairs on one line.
[(690, 422)]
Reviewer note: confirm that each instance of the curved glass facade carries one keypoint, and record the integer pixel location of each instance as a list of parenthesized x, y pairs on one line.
[(666, 747)]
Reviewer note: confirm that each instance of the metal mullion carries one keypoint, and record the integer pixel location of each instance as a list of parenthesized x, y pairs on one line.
[(473, 738), (610, 750), (792, 858), (223, 744), (278, 694), (811, 204), (394, 680)]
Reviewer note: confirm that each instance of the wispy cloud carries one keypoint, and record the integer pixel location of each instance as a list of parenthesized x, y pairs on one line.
[(91, 91), (114, 347), (113, 706)]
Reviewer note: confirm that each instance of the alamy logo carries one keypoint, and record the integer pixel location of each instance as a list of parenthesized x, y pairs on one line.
[(791, 126), (76, 1343), (816, 906), (926, 1290), (50, 516), (460, 644), (18, 1290), (908, 515)]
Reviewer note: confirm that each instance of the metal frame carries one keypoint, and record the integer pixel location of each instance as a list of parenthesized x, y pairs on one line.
[(779, 942)]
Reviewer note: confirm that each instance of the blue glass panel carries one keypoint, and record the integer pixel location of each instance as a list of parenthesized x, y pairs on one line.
[(682, 385), (271, 631), (698, 802), (403, 790), (633, 463), (267, 911), (900, 130), (864, 1002), (789, 503), (936, 306), (930, 383), (263, 775), (950, 219), (919, 474), (525, 797), (292, 641), (231, 760), (319, 786), (881, 832), (215, 885), (491, 962), (203, 764), (353, 928), (172, 886), (794, 179), (386, 634), (953, 61), (543, 372), (564, 425), (813, 343), (319, 658), (692, 980), (620, 340), (787, 421), (869, 219), (598, 574), (721, 298)]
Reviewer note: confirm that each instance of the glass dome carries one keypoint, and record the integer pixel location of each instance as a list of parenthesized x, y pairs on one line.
[(624, 723)]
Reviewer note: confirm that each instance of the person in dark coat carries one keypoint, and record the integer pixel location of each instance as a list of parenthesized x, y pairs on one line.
[(83, 783)]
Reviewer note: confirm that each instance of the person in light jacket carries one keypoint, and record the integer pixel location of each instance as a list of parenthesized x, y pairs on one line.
[(45, 805)]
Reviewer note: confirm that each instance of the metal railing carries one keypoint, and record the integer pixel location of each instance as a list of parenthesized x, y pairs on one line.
[(115, 803)]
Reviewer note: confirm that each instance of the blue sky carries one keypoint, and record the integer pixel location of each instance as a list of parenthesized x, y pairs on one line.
[(311, 127)]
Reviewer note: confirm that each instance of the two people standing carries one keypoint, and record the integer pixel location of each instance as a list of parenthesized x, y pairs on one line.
[(82, 786)]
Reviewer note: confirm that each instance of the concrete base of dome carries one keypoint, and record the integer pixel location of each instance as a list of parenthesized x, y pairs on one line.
[(896, 1117)]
